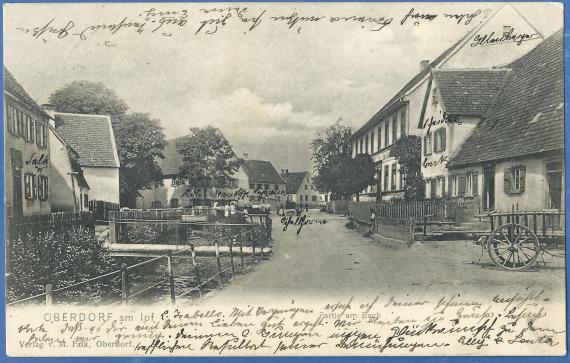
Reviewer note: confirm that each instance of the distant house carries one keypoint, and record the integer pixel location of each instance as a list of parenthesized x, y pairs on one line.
[(69, 189), (402, 114), (27, 155), (301, 190), (92, 137), (173, 191), (516, 153), (256, 181), (265, 184)]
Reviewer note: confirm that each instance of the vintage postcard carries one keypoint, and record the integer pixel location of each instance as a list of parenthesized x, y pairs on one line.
[(284, 179)]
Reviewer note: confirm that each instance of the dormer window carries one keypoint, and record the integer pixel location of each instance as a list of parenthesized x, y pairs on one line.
[(506, 30)]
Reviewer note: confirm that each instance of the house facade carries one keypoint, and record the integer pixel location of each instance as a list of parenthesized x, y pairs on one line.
[(92, 137), (301, 191), (457, 100), (69, 189), (402, 114), (265, 185), (27, 154), (517, 151)]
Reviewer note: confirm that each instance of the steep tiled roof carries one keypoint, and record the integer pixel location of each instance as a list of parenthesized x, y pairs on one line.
[(91, 136), (12, 86), (469, 92), (294, 180), (392, 104), (528, 115), (261, 171)]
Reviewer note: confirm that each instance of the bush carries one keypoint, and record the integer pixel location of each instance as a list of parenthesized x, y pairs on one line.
[(60, 258), (147, 233)]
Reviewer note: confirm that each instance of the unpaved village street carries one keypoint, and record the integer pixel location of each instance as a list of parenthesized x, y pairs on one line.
[(330, 260)]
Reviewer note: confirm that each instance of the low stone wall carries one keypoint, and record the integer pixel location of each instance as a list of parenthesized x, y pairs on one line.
[(396, 228)]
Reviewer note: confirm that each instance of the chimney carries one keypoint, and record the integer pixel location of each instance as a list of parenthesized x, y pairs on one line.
[(424, 64), (282, 171), (50, 110), (286, 171), (245, 156)]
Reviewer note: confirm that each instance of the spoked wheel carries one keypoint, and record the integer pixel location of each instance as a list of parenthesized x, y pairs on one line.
[(513, 247)]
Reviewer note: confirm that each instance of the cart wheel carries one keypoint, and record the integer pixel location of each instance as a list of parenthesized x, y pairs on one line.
[(513, 247)]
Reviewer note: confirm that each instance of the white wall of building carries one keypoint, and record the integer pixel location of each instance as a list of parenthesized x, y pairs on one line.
[(104, 183)]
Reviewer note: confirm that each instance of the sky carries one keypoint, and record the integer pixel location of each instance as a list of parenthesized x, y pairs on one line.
[(270, 89)]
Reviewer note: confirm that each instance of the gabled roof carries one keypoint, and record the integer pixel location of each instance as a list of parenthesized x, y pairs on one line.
[(12, 86), (469, 91), (261, 171), (294, 180), (91, 136), (528, 114), (397, 100)]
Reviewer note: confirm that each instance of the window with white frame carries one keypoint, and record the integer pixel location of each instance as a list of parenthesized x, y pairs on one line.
[(403, 122), (514, 179), (29, 129), (43, 187), (30, 186), (427, 144), (12, 120), (41, 134), (439, 140), (20, 123), (395, 128)]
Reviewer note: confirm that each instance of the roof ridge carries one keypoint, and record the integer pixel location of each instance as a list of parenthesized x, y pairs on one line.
[(81, 114)]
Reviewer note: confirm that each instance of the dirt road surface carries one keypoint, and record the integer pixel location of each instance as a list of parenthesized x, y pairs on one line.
[(330, 260)]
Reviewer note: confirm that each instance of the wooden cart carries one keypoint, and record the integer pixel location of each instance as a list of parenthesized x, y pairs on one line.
[(517, 238)]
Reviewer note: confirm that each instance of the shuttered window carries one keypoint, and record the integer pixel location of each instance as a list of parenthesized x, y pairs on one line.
[(514, 179), (461, 185)]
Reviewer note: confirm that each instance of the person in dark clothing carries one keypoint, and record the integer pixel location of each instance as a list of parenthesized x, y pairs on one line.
[(306, 207), (372, 222)]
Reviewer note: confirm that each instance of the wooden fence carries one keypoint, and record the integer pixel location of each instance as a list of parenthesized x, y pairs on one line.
[(101, 209), (39, 223), (455, 210), (205, 275)]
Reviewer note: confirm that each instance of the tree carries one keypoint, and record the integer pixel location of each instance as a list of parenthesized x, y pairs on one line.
[(346, 176), (207, 159), (328, 151), (407, 151), (139, 138), (89, 98), (140, 142)]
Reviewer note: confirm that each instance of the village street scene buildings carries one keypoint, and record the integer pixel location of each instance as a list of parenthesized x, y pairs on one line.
[(437, 172)]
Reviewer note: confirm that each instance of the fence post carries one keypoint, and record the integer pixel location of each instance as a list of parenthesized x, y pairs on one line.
[(171, 279), (410, 231), (232, 256), (124, 292), (49, 294), (252, 245), (219, 264), (196, 270), (112, 227), (241, 250), (425, 225)]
